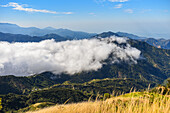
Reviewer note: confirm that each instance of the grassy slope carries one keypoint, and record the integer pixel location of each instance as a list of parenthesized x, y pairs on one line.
[(137, 102)]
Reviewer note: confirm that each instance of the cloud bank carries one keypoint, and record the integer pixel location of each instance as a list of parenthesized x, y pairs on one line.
[(69, 57), (16, 6)]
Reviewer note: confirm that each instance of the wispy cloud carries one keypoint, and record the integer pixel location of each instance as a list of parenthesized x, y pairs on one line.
[(101, 1), (118, 6), (22, 7), (146, 10), (92, 14), (166, 11), (118, 0), (128, 10)]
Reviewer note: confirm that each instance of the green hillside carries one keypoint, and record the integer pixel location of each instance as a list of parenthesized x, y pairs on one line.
[(72, 92)]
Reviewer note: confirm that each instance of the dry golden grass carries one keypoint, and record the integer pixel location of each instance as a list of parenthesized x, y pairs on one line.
[(130, 103)]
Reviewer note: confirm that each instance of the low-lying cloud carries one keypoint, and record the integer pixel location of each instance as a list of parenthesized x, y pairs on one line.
[(70, 57)]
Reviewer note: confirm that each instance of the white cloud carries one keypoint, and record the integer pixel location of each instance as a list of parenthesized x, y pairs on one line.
[(166, 11), (129, 10), (146, 10), (118, 0), (16, 6), (118, 6), (92, 13), (101, 1), (63, 57), (67, 13)]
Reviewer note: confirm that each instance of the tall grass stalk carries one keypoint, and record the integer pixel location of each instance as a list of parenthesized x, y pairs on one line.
[(134, 102)]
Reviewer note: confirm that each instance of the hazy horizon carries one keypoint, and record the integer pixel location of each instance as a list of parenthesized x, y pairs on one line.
[(148, 18)]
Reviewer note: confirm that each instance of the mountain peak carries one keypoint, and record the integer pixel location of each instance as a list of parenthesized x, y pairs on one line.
[(49, 28), (8, 24), (107, 34)]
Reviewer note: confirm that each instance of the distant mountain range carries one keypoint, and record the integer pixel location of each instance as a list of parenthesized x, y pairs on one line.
[(128, 35), (33, 31), (14, 33), (26, 38), (159, 43)]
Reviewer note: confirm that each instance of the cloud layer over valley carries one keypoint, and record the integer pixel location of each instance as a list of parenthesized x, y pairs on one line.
[(23, 59)]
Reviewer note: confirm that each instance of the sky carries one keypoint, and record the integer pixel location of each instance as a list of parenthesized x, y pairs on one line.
[(150, 18)]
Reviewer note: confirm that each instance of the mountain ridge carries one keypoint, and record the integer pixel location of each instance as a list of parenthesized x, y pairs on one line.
[(26, 38), (159, 43), (34, 31), (69, 34)]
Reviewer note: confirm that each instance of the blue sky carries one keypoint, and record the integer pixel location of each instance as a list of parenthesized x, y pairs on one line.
[(149, 18)]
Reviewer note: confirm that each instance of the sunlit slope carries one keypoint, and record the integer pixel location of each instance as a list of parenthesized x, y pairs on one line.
[(131, 103)]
